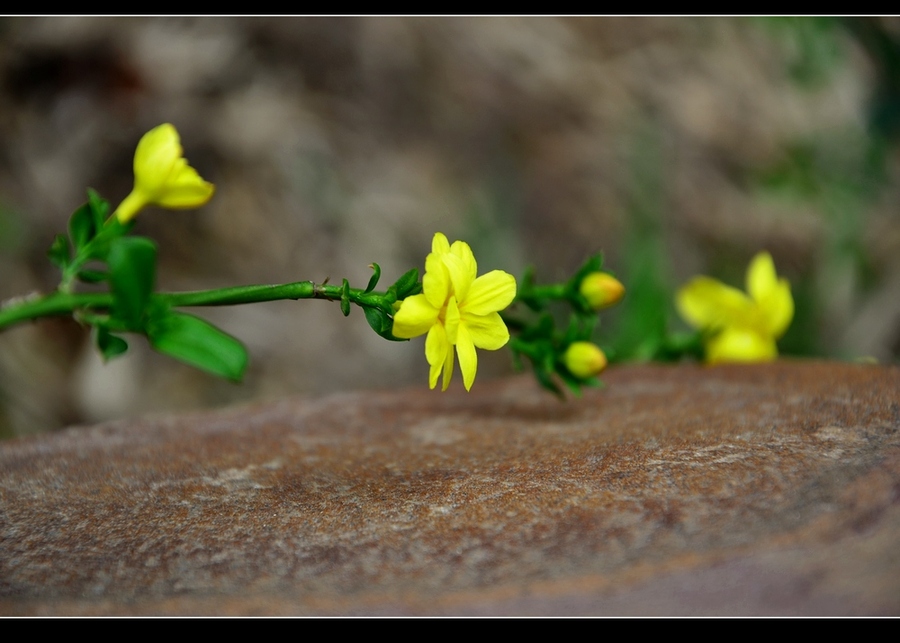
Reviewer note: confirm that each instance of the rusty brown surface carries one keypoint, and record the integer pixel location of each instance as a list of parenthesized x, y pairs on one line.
[(767, 489)]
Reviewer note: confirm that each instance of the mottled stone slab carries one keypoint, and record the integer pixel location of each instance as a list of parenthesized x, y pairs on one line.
[(765, 489)]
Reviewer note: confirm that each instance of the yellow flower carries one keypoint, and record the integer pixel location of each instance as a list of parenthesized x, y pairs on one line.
[(584, 359), (162, 176), (745, 327), (456, 309), (601, 290)]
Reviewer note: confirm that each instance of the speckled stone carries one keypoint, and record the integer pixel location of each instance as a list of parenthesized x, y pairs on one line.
[(765, 489)]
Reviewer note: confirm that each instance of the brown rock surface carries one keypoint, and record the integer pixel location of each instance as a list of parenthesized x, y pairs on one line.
[(769, 489)]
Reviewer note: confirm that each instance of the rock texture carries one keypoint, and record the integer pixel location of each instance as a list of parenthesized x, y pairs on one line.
[(766, 489)]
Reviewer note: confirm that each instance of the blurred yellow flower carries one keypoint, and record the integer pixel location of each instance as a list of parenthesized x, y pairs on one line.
[(584, 359), (601, 290), (456, 309), (162, 176), (744, 328)]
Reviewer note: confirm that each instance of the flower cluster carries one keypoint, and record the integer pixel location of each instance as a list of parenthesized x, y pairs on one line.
[(458, 310)]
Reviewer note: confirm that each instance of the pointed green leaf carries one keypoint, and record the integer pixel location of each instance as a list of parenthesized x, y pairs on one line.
[(546, 381), (107, 234), (407, 285), (132, 276), (198, 343), (81, 227), (540, 330), (373, 280), (345, 298), (99, 208), (92, 276), (59, 252), (110, 345), (381, 323)]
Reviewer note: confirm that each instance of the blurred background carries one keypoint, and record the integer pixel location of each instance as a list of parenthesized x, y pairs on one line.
[(677, 146)]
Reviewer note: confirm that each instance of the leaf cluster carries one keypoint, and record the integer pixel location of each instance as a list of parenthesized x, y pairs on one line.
[(127, 264), (379, 308), (538, 336)]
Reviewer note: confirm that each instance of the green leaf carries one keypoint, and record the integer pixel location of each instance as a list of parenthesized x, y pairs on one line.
[(92, 276), (592, 264), (381, 323), (540, 330), (199, 344), (107, 234), (82, 227), (373, 280), (407, 285), (110, 345), (345, 298), (132, 275), (59, 252), (99, 208), (546, 381), (581, 327)]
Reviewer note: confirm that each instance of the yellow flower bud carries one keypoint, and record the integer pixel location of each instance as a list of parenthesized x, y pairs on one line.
[(601, 290), (584, 359), (162, 176)]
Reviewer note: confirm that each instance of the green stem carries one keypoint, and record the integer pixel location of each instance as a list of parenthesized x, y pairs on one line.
[(551, 291), (61, 303), (54, 304)]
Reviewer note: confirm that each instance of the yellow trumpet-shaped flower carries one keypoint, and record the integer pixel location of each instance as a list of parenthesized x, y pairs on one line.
[(162, 176), (743, 326), (456, 309)]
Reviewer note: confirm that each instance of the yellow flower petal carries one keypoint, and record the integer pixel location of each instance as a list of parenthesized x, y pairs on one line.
[(415, 317), (185, 189), (439, 244), (460, 277), (468, 359), (490, 293), (740, 345), (448, 370), (761, 277), (771, 294), (156, 152), (436, 282), (466, 266), (488, 332), (778, 309), (436, 352), (708, 303), (451, 320)]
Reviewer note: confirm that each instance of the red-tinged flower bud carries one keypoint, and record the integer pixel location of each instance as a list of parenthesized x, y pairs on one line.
[(601, 290)]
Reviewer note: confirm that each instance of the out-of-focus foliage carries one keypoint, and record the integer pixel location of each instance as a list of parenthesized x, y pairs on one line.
[(840, 173)]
